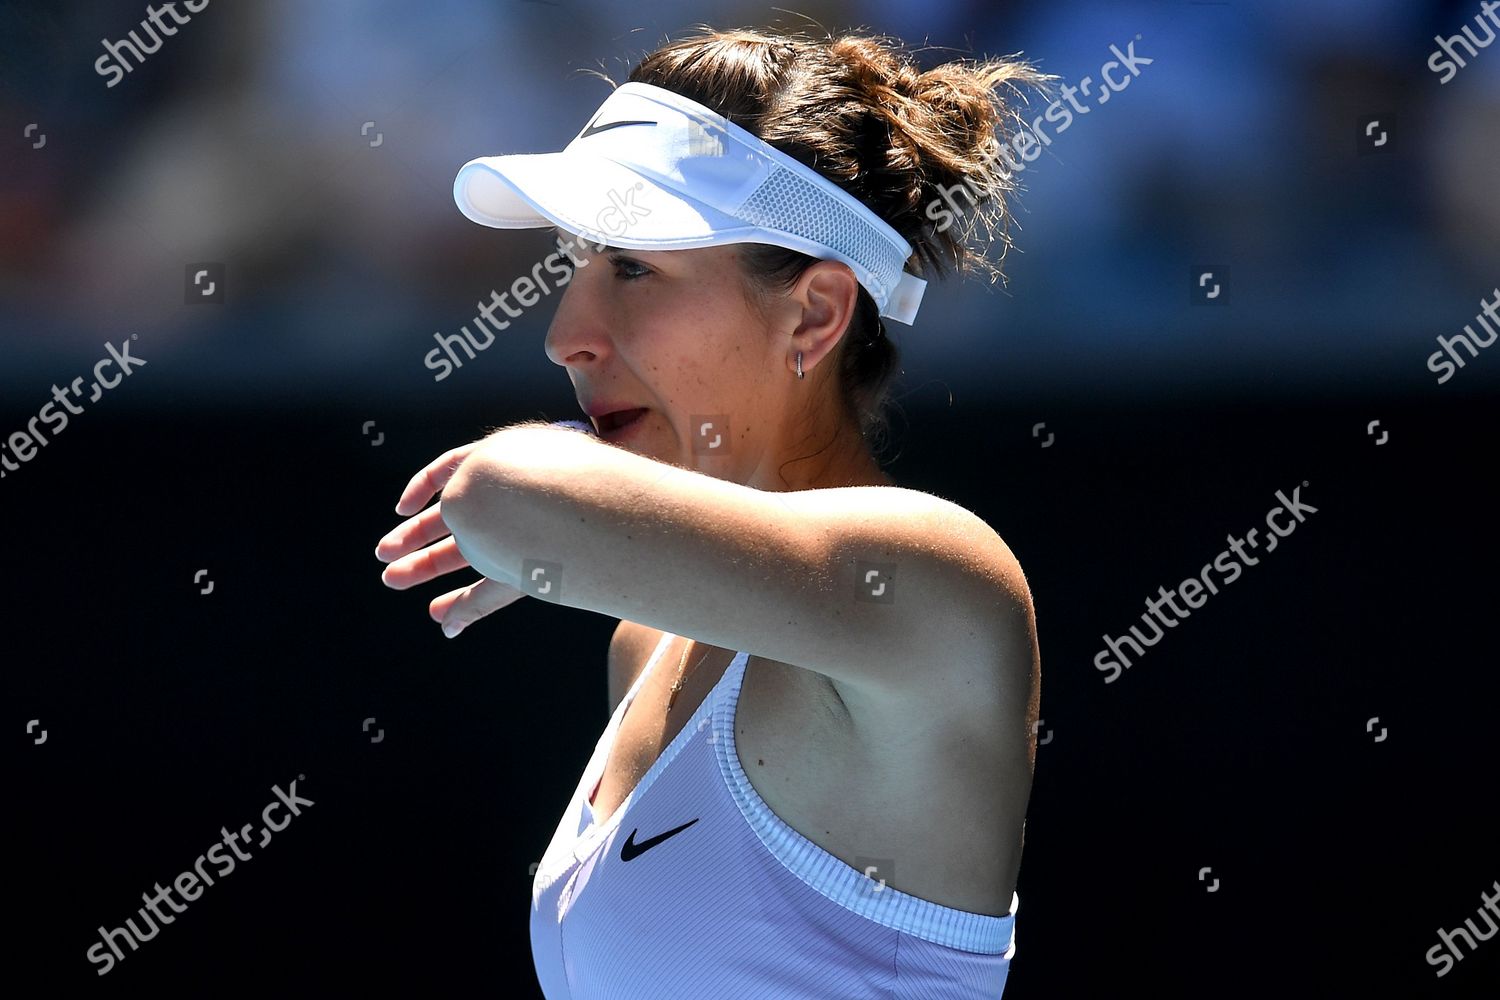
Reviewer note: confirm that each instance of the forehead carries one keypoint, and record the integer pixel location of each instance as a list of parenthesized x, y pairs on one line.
[(582, 243)]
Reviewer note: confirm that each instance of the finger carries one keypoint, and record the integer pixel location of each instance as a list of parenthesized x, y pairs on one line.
[(424, 565), (412, 534), (461, 608), (440, 606), (427, 483)]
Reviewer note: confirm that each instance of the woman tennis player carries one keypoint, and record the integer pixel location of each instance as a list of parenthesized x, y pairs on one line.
[(814, 781)]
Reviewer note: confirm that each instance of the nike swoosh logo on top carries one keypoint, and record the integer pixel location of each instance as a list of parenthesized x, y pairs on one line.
[(592, 128), (630, 849)]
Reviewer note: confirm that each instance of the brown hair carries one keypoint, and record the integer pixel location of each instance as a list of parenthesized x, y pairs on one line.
[(859, 111)]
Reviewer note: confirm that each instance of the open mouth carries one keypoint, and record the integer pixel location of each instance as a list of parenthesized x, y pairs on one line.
[(619, 418)]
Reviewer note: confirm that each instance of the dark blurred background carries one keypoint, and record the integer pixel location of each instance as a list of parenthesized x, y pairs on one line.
[(1317, 734)]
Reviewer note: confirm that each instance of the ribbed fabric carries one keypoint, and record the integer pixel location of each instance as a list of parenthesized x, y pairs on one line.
[(738, 904)]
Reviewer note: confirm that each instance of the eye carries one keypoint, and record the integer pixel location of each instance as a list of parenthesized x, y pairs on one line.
[(626, 269), (622, 262)]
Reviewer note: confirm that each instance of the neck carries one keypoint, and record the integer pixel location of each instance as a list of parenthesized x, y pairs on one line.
[(825, 459)]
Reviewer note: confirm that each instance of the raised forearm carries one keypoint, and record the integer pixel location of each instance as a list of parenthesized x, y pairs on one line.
[(483, 498), (625, 535)]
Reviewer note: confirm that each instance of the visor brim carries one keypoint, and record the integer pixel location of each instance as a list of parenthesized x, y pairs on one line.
[(589, 196)]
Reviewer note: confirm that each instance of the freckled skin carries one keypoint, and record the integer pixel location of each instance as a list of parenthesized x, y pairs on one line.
[(675, 332)]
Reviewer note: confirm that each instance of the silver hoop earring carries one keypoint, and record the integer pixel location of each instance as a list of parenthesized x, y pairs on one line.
[(799, 364)]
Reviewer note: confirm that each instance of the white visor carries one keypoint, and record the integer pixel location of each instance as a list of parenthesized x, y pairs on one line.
[(655, 171)]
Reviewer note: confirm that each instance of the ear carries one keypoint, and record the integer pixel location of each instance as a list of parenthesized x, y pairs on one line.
[(818, 309)]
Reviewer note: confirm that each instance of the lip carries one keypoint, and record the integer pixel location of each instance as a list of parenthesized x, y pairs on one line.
[(598, 409), (624, 431)]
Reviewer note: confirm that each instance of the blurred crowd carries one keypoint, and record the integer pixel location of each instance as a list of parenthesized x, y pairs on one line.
[(310, 147)]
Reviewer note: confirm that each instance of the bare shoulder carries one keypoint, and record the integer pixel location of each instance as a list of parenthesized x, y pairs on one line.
[(964, 537), (974, 550), (629, 649), (967, 596)]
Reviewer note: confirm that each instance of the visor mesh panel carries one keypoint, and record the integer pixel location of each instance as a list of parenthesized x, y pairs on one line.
[(794, 205)]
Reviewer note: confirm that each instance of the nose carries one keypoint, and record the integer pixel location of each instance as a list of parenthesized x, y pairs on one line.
[(579, 332)]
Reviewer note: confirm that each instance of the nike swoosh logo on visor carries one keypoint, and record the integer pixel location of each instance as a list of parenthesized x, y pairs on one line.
[(630, 849), (592, 128)]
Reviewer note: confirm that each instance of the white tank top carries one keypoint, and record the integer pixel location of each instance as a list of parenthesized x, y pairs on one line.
[(694, 888)]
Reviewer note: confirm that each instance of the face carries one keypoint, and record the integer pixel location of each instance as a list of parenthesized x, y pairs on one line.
[(672, 332)]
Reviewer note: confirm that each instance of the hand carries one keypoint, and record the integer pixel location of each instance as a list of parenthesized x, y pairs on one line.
[(422, 548)]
